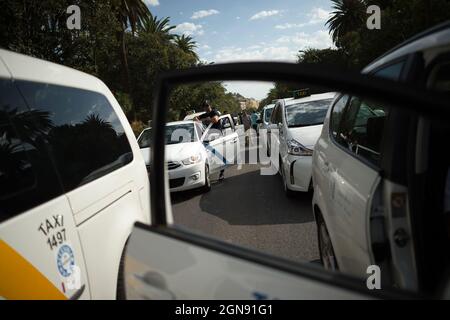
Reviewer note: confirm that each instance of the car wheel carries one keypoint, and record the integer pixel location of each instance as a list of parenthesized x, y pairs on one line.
[(327, 256), (207, 186)]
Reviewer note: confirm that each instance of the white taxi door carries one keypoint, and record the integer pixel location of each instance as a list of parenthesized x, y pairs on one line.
[(40, 252), (231, 139), (214, 142), (166, 263), (348, 181)]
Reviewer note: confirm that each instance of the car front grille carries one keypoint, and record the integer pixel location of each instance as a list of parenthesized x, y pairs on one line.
[(174, 183), (173, 165)]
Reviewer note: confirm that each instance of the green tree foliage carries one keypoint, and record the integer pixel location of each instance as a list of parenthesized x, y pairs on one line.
[(120, 42), (129, 14), (348, 15), (187, 98), (279, 91), (400, 20), (158, 27), (187, 44)]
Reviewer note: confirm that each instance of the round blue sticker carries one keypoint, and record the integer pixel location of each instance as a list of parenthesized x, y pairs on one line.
[(65, 260)]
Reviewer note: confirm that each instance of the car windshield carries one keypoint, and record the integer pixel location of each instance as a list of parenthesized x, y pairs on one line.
[(180, 133), (267, 114), (307, 113), (174, 134)]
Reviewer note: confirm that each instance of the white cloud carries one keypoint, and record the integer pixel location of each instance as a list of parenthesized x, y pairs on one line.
[(289, 26), (189, 29), (204, 13), (238, 18), (274, 53), (204, 47), (317, 15), (265, 14), (153, 3), (319, 39)]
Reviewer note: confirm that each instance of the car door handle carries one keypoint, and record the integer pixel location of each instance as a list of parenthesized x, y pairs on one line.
[(153, 286)]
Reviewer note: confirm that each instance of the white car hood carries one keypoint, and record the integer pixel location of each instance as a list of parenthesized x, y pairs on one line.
[(307, 136), (176, 152)]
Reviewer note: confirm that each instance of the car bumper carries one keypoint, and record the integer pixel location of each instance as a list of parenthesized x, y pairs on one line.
[(187, 177), (298, 172)]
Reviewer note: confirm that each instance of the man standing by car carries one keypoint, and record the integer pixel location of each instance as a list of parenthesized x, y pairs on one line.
[(254, 118), (212, 116), (246, 121)]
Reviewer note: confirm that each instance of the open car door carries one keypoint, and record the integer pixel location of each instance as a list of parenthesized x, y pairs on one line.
[(164, 261)]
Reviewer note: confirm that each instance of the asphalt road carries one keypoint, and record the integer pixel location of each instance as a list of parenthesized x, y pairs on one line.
[(251, 210)]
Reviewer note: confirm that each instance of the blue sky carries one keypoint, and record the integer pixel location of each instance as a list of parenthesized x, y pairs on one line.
[(242, 30)]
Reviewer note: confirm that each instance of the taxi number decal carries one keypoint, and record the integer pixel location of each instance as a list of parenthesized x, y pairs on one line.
[(56, 239), (54, 231)]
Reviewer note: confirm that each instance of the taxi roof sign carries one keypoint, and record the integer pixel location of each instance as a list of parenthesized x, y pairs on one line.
[(301, 93)]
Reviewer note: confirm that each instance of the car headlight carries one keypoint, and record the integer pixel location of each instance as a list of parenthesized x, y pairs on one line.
[(297, 149), (192, 159)]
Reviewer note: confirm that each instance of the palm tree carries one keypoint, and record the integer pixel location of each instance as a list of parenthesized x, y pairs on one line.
[(187, 44), (159, 27), (130, 14), (348, 15)]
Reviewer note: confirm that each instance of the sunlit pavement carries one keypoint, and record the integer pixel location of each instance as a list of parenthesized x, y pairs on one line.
[(251, 210)]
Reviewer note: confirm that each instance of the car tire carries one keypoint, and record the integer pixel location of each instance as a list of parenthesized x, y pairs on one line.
[(207, 186), (326, 250)]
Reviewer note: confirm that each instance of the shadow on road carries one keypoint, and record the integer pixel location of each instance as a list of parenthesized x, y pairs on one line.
[(253, 199)]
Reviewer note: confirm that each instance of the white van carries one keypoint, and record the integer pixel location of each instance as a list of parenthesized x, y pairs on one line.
[(72, 183), (382, 176)]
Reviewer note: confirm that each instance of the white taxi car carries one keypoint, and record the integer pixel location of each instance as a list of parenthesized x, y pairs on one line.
[(367, 203), (296, 125), (194, 152), (72, 183)]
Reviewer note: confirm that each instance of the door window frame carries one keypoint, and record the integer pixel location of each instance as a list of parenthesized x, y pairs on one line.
[(162, 219), (368, 163)]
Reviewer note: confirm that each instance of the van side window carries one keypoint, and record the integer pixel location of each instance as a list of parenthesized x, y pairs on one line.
[(27, 177), (391, 72), (273, 115), (85, 135), (439, 77), (336, 115), (361, 129), (276, 116)]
